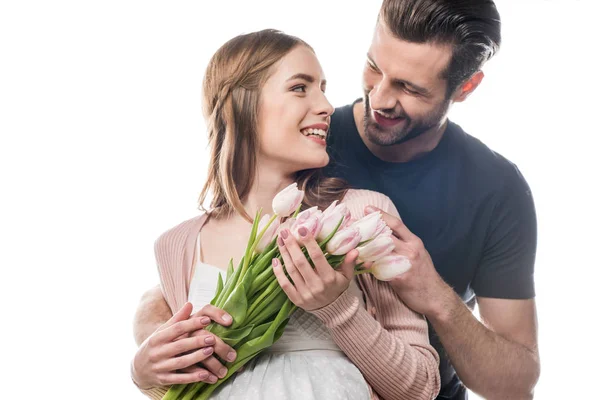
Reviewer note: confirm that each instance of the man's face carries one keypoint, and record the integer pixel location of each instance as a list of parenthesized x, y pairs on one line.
[(405, 93)]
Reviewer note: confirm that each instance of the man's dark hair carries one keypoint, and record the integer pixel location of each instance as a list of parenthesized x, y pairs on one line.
[(472, 27)]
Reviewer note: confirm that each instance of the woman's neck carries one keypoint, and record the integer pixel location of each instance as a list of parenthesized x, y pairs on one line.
[(268, 181)]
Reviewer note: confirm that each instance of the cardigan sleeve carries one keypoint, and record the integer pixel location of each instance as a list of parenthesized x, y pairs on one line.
[(171, 250), (390, 344)]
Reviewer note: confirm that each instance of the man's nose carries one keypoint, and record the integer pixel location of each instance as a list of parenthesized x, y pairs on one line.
[(381, 97)]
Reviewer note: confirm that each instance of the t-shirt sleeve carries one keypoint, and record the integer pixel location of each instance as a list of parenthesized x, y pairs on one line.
[(507, 264)]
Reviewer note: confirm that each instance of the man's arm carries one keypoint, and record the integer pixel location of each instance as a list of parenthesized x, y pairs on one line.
[(498, 358), (499, 361), (152, 312)]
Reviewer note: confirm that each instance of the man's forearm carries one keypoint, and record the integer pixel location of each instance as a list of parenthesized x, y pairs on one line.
[(153, 311), (486, 362)]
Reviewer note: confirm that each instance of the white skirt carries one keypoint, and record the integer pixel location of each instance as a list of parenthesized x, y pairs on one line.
[(297, 375)]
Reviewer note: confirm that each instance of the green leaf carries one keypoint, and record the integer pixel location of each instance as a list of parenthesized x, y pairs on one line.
[(269, 306), (175, 392), (234, 336), (328, 238), (263, 298), (237, 305), (229, 285), (258, 331), (219, 289), (229, 269)]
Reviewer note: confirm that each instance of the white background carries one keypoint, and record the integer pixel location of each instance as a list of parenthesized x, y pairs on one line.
[(103, 148)]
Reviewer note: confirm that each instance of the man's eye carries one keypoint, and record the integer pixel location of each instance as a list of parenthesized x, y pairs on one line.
[(411, 92), (299, 89)]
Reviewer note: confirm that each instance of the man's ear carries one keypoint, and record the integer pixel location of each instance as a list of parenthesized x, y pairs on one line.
[(468, 87)]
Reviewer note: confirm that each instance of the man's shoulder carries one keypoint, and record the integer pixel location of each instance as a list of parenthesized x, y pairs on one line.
[(482, 164), (342, 118)]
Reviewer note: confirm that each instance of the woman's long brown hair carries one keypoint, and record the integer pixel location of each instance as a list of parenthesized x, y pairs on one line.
[(231, 97)]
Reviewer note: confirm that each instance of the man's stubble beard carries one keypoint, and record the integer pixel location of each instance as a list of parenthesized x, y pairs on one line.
[(410, 130)]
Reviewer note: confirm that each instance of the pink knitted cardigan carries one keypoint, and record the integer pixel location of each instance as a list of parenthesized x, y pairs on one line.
[(387, 341)]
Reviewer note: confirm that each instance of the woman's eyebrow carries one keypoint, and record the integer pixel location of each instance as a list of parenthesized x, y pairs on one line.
[(307, 78)]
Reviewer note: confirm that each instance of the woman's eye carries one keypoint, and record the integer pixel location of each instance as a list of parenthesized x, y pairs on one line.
[(299, 89)]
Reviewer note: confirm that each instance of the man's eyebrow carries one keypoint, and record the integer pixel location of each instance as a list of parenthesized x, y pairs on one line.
[(401, 82), (307, 78)]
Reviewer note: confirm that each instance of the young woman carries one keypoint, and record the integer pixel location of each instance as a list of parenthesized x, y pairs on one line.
[(267, 119)]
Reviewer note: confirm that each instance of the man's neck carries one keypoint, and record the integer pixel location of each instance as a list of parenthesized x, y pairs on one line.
[(402, 152)]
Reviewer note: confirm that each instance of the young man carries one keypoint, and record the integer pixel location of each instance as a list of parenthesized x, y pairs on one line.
[(468, 220)]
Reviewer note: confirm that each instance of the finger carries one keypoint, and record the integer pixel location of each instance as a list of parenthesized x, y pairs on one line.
[(181, 315), (394, 222), (288, 262), (200, 375), (179, 329), (300, 261), (347, 266), (203, 373), (204, 322), (284, 282), (186, 345), (215, 314), (184, 361), (213, 365), (322, 266), (224, 351)]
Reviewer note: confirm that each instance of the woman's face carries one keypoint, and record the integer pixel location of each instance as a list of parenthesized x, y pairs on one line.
[(293, 118)]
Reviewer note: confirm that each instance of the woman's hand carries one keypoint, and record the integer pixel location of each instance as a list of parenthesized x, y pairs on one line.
[(311, 288), (171, 354)]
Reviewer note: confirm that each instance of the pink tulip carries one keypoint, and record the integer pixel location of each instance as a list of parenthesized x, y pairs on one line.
[(332, 217), (369, 225), (269, 234), (379, 247), (389, 267), (286, 225), (288, 200), (343, 241), (309, 219), (381, 227)]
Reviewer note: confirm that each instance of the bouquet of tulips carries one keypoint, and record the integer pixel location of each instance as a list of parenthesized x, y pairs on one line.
[(251, 293)]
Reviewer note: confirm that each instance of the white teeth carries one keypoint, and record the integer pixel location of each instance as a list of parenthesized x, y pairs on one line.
[(316, 132)]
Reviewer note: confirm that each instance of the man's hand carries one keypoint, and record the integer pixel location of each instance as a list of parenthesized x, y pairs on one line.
[(171, 355), (421, 287)]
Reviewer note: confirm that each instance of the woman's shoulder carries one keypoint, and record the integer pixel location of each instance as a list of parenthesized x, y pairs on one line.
[(357, 199), (177, 236)]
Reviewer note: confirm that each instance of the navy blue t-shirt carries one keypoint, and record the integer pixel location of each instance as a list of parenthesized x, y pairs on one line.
[(470, 206)]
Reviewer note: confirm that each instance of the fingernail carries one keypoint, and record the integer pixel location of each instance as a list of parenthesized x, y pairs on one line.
[(275, 262), (280, 242), (284, 234), (222, 372), (207, 350), (231, 356), (302, 231), (227, 318), (205, 320), (212, 379), (209, 340), (203, 375)]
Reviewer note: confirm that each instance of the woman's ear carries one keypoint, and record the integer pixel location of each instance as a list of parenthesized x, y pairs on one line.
[(468, 87)]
